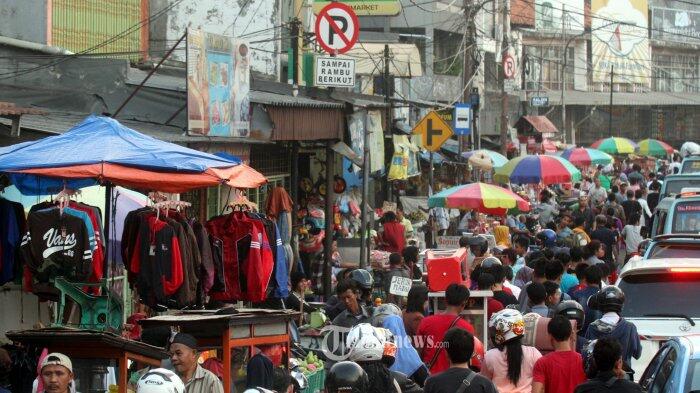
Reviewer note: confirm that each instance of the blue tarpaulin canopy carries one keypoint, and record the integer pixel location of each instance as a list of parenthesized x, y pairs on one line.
[(101, 149)]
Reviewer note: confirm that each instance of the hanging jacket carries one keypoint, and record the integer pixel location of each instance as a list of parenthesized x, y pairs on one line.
[(10, 237), (206, 269), (98, 254), (56, 245), (217, 256), (157, 262)]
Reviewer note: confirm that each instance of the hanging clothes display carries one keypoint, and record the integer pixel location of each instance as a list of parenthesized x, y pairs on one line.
[(59, 241), (13, 225), (170, 258)]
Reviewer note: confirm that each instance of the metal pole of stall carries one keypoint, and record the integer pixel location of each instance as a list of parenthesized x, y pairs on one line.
[(364, 232)]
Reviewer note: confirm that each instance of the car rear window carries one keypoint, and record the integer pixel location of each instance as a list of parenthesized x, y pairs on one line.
[(692, 380), (674, 250), (674, 186), (686, 217), (661, 293), (691, 166)]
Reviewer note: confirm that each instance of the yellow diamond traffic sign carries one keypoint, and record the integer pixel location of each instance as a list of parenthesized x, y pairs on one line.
[(434, 131)]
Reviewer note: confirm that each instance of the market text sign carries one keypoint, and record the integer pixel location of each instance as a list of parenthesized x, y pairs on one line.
[(335, 72), (366, 7)]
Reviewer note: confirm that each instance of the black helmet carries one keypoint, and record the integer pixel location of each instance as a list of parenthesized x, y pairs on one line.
[(571, 310), (363, 278), (608, 299), (347, 377), (479, 243)]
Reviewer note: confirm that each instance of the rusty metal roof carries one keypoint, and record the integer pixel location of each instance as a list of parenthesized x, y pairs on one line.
[(540, 123), (10, 109)]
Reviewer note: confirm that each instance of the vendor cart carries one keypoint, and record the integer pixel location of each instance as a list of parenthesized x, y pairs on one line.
[(244, 328), (475, 313), (97, 357)]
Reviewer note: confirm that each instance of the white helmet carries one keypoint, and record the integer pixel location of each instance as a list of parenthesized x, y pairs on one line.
[(384, 311), (365, 343), (160, 380), (507, 324)]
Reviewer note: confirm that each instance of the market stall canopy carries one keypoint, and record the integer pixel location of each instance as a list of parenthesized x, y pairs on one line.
[(101, 149), (583, 157), (615, 145), (537, 169), (654, 148), (484, 198), (528, 125), (405, 59)]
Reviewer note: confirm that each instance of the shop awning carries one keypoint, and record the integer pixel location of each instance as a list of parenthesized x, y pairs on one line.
[(101, 149), (540, 124), (405, 59)]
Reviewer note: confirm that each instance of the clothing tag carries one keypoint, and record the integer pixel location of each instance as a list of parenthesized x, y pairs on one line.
[(152, 250)]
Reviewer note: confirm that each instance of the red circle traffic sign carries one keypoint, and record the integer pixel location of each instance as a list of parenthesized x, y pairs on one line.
[(508, 66), (337, 28)]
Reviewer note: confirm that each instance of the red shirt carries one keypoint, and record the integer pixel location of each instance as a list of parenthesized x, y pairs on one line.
[(431, 331), (493, 306), (506, 290), (560, 372), (393, 237)]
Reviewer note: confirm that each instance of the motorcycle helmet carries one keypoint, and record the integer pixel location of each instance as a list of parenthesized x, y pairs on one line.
[(571, 310), (507, 324), (548, 238), (478, 245), (608, 299), (346, 377), (489, 262), (365, 343), (160, 380), (363, 278), (384, 311)]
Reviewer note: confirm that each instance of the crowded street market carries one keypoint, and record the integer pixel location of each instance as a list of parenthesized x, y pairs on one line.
[(210, 209)]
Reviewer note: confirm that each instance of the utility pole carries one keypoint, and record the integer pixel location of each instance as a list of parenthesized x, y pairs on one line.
[(505, 45), (387, 109), (563, 75), (295, 31), (366, 164), (612, 74), (468, 69)]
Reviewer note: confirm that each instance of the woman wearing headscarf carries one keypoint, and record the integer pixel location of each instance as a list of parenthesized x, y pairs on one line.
[(407, 359)]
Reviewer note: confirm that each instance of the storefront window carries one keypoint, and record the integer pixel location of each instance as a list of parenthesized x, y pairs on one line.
[(677, 73), (544, 66)]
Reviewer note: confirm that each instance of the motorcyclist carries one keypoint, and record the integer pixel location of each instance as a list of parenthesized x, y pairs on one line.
[(573, 311), (347, 377), (364, 281), (610, 301)]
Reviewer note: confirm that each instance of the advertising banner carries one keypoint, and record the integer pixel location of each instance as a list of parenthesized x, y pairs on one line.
[(620, 40), (218, 85), (548, 15), (675, 25)]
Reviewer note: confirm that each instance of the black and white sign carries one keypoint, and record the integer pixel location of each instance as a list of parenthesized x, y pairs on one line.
[(539, 101), (675, 25), (337, 28), (335, 72), (400, 286), (462, 119)]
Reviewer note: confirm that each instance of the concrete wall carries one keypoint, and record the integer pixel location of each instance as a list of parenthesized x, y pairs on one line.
[(23, 20), (20, 310), (253, 20)]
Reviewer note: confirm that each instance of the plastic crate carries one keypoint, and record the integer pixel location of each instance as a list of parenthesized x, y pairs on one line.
[(316, 382)]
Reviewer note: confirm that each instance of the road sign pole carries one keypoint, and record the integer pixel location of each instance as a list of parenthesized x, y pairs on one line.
[(365, 196), (430, 174)]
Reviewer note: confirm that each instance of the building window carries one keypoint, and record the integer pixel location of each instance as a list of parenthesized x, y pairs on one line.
[(413, 36), (447, 53), (543, 68), (677, 73), (546, 16)]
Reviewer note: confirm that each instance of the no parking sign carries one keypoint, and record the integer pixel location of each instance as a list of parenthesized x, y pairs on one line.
[(337, 28)]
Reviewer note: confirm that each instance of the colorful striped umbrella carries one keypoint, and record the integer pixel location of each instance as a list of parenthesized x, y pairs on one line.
[(537, 169), (483, 197), (615, 145), (485, 159), (583, 157), (655, 148)]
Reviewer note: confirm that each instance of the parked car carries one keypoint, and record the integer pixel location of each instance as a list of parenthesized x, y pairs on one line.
[(676, 245), (678, 214), (662, 299), (675, 368), (691, 164)]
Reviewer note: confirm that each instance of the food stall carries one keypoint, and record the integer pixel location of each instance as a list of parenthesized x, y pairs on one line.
[(98, 357), (241, 329)]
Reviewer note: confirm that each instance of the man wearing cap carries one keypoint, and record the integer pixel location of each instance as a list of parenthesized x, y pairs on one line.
[(56, 373), (184, 355)]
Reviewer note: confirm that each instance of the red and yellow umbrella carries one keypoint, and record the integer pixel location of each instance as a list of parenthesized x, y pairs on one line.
[(483, 197)]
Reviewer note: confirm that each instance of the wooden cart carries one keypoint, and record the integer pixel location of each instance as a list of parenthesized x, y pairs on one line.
[(246, 328), (92, 345)]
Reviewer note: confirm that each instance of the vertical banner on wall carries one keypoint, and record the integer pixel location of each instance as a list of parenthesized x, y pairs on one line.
[(218, 85), (620, 40)]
